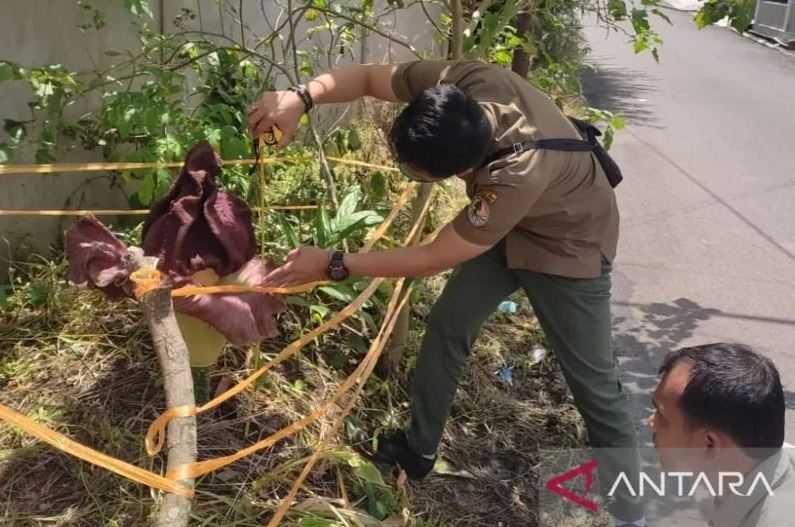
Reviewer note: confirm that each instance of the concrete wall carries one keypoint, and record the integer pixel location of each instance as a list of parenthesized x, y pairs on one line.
[(776, 20), (35, 33), (39, 32)]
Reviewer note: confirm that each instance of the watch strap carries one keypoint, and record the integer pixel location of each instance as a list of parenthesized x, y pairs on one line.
[(303, 92)]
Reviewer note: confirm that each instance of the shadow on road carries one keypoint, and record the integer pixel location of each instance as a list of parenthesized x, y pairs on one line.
[(642, 341), (620, 90)]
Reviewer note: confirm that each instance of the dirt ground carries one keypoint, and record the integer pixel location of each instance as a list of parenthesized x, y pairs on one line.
[(86, 368)]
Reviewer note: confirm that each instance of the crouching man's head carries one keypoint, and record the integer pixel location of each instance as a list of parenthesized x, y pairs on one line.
[(717, 405), (442, 133)]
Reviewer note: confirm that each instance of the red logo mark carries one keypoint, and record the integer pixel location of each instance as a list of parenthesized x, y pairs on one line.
[(586, 470)]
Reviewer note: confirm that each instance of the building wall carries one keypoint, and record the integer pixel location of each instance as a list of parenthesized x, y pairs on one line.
[(39, 32)]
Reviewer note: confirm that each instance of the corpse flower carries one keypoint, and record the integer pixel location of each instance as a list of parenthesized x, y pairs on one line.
[(201, 236)]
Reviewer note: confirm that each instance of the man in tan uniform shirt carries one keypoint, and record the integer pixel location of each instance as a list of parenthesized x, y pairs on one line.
[(541, 220), (720, 411)]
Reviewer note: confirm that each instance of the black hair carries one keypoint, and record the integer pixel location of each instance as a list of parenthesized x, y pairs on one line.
[(736, 391), (443, 131)]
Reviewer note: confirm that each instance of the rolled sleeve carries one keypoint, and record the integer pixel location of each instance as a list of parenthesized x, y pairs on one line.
[(412, 78)]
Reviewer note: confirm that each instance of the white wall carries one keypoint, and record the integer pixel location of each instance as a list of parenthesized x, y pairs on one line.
[(39, 32)]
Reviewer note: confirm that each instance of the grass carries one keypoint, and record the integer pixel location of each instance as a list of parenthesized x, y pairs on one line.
[(86, 367)]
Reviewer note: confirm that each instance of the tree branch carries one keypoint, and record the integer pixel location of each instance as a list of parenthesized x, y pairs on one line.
[(430, 18), (158, 311), (328, 174), (372, 28), (457, 38)]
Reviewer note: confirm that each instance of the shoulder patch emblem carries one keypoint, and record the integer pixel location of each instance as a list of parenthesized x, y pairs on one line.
[(479, 210)]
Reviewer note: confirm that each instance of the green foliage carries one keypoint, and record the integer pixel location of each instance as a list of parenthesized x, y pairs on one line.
[(381, 500), (613, 122), (553, 41), (740, 13), (10, 71), (491, 35), (347, 226), (139, 8)]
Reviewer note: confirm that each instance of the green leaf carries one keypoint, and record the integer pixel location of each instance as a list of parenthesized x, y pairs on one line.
[(38, 294), (469, 43), (490, 23), (341, 292), (354, 141), (162, 182), (503, 57), (607, 140), (662, 15), (353, 223), (44, 154), (378, 185), (4, 156), (348, 205), (15, 129), (322, 227), (146, 192), (617, 9), (317, 521), (288, 231), (139, 8), (213, 136), (378, 508), (297, 301), (369, 320), (233, 144), (640, 21), (365, 470), (319, 311), (9, 71)]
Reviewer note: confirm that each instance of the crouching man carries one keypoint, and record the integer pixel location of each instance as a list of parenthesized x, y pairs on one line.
[(719, 410)]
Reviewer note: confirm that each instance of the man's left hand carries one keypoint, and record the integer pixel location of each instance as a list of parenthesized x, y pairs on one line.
[(303, 265)]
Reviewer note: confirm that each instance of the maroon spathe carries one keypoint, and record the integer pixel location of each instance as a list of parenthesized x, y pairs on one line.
[(196, 227)]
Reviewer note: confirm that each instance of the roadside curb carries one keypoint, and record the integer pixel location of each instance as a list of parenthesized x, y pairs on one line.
[(768, 43)]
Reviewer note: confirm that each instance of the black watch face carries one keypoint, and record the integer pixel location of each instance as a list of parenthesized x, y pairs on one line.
[(338, 272)]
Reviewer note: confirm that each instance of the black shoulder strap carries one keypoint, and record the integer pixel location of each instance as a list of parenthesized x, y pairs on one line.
[(561, 145)]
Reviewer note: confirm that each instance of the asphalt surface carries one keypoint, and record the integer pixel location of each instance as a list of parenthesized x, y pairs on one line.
[(707, 250)]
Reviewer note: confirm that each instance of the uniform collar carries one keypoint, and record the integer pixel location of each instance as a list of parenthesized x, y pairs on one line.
[(733, 510)]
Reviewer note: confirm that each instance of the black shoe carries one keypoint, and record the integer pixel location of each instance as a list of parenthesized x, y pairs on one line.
[(393, 449)]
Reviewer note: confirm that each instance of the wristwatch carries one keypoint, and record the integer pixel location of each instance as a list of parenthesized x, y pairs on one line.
[(336, 267), (303, 92)]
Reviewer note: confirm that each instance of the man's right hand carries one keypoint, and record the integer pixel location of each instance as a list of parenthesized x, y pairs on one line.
[(282, 109)]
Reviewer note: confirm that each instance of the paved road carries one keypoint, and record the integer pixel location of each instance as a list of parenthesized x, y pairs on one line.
[(708, 204)]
